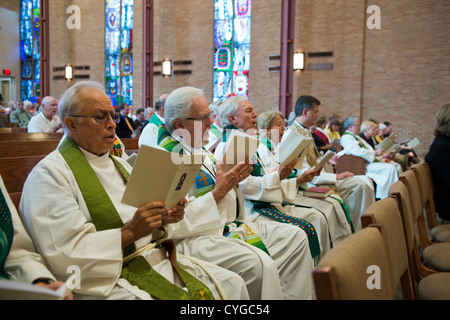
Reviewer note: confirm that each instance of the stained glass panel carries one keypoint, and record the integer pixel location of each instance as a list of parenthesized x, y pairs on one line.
[(30, 53), (232, 34), (119, 50)]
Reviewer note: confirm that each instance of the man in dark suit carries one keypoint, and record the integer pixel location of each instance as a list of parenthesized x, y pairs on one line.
[(126, 126)]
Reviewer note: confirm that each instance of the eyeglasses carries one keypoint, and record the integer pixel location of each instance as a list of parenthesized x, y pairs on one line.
[(202, 119), (100, 119)]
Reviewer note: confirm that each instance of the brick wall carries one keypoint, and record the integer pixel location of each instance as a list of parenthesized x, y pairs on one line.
[(400, 73)]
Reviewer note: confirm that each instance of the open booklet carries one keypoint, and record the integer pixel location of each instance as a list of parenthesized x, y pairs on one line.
[(13, 290), (413, 143), (239, 148), (389, 145), (327, 156), (293, 146), (159, 175)]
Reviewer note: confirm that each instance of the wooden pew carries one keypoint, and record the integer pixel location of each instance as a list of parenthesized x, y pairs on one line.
[(23, 148), (12, 129), (15, 170), (356, 165), (13, 136), (131, 145)]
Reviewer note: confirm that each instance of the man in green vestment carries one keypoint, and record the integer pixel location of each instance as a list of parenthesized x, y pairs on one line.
[(71, 206)]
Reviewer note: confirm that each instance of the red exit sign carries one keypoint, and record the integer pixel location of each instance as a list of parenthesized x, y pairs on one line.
[(6, 72)]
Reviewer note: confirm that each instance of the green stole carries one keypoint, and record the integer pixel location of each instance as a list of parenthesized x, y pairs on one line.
[(215, 131), (361, 144), (205, 183), (6, 234), (155, 120), (105, 216)]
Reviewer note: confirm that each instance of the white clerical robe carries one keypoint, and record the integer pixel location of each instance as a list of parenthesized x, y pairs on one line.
[(23, 263), (384, 174), (39, 123), (358, 192), (285, 274), (149, 135), (327, 216), (57, 219)]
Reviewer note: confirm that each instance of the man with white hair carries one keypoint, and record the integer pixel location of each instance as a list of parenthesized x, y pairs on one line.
[(47, 120), (72, 209), (273, 258)]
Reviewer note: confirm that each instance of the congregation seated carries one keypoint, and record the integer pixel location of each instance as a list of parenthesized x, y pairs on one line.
[(18, 259), (20, 115), (383, 173), (224, 213), (76, 217), (215, 223)]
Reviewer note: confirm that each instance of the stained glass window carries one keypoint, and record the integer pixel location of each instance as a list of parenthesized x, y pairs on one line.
[(30, 50), (119, 51), (232, 30)]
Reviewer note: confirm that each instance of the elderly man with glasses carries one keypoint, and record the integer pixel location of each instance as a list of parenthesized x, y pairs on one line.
[(72, 209)]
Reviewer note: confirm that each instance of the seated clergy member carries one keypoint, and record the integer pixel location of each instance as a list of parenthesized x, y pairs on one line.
[(47, 120), (18, 259), (149, 135), (71, 207), (356, 191), (238, 113), (272, 127), (384, 174), (273, 258)]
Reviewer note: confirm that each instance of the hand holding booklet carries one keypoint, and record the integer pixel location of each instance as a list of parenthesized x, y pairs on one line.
[(292, 147), (13, 290), (330, 154), (239, 148), (159, 175)]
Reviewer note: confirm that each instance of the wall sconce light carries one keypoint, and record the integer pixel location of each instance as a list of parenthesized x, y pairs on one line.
[(167, 69), (68, 72), (299, 61)]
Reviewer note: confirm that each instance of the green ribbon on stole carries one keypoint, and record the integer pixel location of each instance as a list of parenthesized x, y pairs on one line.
[(273, 212), (105, 216), (6, 234), (205, 183)]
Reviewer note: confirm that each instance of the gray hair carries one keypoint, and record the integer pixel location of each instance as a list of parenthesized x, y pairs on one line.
[(178, 105), (366, 125), (443, 121), (265, 119), (350, 121), (72, 101), (214, 107), (229, 106)]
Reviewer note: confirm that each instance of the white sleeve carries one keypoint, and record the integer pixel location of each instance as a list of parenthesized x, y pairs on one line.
[(348, 141)]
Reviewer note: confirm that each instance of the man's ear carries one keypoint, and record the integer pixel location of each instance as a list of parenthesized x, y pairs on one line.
[(71, 124), (178, 124), (232, 118)]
